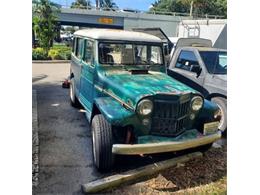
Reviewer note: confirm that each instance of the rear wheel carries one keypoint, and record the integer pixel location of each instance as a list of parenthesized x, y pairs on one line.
[(73, 99), (222, 104), (102, 141)]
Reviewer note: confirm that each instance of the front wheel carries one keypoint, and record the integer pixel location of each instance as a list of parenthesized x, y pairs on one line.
[(222, 104), (102, 141)]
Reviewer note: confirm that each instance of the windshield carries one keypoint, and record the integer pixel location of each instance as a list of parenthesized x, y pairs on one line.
[(215, 61), (130, 54)]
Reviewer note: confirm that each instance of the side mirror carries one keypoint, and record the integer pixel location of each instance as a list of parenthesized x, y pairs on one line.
[(196, 68)]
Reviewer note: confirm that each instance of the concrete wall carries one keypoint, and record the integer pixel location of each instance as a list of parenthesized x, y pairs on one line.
[(88, 18), (167, 23), (125, 20), (169, 27)]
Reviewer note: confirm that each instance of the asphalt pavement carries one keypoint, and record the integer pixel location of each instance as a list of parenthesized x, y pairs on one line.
[(65, 152)]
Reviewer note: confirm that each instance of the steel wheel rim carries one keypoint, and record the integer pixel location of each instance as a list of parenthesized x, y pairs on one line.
[(71, 92), (221, 122)]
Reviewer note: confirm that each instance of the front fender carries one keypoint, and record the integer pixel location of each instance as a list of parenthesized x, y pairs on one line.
[(113, 111), (208, 110), (205, 115)]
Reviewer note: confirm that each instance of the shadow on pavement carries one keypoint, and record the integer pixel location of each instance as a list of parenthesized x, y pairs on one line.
[(39, 77)]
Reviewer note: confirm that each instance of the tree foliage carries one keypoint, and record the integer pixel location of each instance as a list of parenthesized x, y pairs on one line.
[(108, 4), (199, 7), (45, 22), (81, 4)]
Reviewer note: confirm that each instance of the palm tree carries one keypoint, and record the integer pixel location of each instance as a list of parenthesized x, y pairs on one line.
[(108, 5), (81, 4), (192, 4), (97, 4), (45, 22)]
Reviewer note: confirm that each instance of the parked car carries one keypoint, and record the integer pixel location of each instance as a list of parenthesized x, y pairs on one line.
[(133, 106), (203, 68)]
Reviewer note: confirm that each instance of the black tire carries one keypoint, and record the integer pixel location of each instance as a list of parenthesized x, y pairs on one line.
[(73, 98), (222, 104), (102, 141), (205, 148)]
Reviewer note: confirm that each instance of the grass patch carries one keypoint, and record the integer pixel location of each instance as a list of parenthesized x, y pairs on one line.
[(214, 188)]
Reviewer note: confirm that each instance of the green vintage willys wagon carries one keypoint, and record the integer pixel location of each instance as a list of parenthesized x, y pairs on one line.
[(133, 107)]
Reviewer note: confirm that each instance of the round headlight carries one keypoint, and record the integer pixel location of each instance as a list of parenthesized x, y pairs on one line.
[(145, 107), (196, 103)]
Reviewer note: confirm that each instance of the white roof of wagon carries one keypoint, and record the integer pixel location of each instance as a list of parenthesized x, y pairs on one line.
[(114, 34)]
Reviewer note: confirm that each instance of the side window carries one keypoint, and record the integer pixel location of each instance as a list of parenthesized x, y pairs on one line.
[(187, 61), (79, 47), (89, 52), (74, 45)]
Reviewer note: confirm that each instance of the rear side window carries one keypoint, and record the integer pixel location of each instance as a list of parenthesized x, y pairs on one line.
[(79, 46), (74, 45), (186, 60), (89, 52)]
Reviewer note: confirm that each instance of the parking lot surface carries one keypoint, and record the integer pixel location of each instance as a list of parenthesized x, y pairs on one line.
[(65, 152), (65, 149)]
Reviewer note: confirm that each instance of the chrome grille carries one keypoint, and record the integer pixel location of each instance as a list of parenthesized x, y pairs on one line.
[(169, 117)]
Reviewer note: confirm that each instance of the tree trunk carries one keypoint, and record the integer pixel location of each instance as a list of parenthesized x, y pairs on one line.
[(97, 4), (191, 8)]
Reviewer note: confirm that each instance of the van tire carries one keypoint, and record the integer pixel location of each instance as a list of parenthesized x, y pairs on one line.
[(222, 104), (102, 141), (73, 98)]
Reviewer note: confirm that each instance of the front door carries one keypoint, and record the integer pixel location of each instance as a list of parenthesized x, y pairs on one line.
[(87, 75)]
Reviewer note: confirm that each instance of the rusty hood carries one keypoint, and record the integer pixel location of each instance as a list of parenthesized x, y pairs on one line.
[(130, 88)]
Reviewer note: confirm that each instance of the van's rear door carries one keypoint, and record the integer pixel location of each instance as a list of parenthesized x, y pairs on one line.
[(158, 32), (193, 42)]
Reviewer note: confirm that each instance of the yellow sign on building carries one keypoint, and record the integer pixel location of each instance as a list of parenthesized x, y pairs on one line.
[(106, 20)]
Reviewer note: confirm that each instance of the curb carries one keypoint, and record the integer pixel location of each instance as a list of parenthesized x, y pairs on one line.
[(50, 61), (35, 140), (135, 174)]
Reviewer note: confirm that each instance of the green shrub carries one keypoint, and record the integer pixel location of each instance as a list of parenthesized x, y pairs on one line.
[(57, 52), (39, 54), (60, 52)]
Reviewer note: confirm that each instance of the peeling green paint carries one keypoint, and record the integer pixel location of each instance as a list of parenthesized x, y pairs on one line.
[(131, 88)]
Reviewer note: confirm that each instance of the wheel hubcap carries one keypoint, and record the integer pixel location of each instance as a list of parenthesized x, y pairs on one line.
[(221, 122), (71, 92)]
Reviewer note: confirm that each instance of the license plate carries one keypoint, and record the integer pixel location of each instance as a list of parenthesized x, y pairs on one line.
[(210, 128)]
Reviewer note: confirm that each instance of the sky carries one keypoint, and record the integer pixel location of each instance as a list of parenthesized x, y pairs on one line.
[(133, 4)]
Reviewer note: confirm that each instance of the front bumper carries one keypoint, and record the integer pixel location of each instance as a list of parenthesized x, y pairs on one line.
[(167, 146)]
